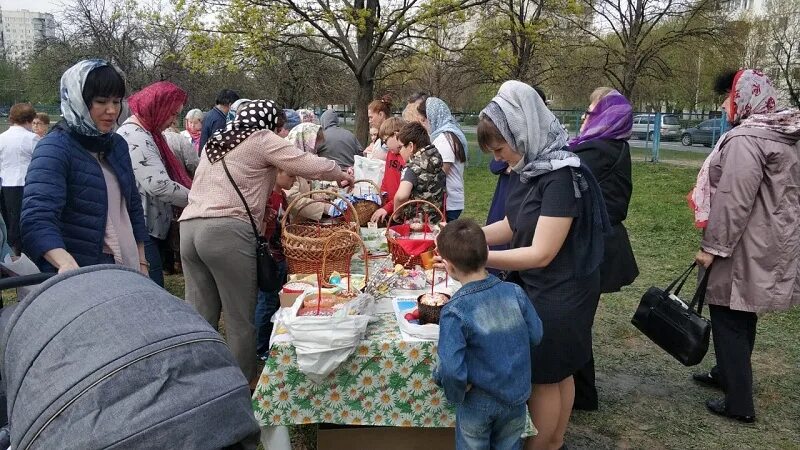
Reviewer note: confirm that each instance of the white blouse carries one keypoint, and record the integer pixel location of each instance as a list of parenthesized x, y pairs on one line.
[(16, 150)]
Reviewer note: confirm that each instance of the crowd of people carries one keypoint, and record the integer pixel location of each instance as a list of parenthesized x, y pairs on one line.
[(137, 191)]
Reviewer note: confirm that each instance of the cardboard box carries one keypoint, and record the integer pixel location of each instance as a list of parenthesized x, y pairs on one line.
[(288, 296), (385, 438)]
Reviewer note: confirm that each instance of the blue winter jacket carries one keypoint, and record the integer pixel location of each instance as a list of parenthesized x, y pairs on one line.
[(65, 203)]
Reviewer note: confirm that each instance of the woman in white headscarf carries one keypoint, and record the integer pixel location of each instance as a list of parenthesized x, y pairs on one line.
[(554, 224), (81, 206)]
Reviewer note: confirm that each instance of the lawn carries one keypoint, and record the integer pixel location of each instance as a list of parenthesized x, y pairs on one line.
[(647, 398)]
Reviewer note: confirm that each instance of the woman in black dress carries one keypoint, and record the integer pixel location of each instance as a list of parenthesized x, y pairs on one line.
[(603, 146), (555, 222)]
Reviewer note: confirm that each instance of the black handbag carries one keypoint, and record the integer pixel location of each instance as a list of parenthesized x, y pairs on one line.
[(676, 327), (266, 267)]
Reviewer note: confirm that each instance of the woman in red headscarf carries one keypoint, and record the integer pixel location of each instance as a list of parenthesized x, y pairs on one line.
[(161, 179), (747, 201)]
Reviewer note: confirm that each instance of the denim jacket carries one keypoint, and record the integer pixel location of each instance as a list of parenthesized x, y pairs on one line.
[(487, 332)]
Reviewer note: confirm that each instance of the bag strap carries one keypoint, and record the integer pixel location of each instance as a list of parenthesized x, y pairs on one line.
[(616, 163), (700, 293), (681, 280), (246, 208)]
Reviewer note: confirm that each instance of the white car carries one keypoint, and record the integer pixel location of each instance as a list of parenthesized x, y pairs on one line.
[(644, 127)]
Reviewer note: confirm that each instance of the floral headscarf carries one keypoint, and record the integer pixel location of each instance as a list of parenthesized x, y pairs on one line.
[(153, 106), (253, 116), (73, 107), (611, 118), (752, 95), (304, 137)]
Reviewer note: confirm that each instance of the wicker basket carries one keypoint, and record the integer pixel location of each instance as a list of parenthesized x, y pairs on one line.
[(304, 243), (355, 240), (428, 313), (399, 255), (366, 208)]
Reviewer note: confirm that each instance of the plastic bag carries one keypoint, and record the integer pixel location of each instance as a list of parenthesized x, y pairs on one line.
[(369, 169), (324, 343)]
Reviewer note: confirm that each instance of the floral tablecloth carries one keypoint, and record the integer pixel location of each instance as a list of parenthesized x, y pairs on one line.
[(386, 382)]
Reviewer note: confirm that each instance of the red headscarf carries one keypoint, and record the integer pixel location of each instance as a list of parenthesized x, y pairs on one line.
[(153, 105)]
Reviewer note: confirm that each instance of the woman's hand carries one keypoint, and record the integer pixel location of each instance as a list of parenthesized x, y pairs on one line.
[(379, 216), (704, 258), (347, 179), (144, 267), (61, 260)]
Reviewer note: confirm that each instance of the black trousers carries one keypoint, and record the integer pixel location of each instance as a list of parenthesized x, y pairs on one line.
[(11, 207), (585, 389), (734, 336)]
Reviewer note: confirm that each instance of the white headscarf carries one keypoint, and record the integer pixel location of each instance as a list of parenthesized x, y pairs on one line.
[(73, 108), (530, 129)]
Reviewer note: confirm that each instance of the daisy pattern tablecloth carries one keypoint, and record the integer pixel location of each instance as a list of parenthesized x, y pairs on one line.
[(386, 382)]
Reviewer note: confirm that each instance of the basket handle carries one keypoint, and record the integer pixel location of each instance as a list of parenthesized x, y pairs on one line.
[(358, 240), (309, 194), (366, 180), (400, 208), (312, 201)]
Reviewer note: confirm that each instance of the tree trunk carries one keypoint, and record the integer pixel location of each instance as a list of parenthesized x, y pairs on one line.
[(366, 85)]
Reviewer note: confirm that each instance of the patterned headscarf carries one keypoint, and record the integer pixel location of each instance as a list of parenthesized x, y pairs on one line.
[(752, 93), (752, 96), (304, 137), (442, 120), (153, 106), (307, 115), (73, 108), (254, 116), (611, 118), (530, 129)]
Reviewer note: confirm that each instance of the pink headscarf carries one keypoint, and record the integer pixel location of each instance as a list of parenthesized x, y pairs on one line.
[(752, 94), (153, 105), (304, 137)]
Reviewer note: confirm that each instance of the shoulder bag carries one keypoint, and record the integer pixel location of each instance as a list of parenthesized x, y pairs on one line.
[(676, 327), (266, 267)]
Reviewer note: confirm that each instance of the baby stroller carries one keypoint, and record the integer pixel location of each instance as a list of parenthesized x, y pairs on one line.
[(101, 357)]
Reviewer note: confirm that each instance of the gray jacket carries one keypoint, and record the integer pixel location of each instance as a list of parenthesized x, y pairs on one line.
[(753, 223), (340, 144)]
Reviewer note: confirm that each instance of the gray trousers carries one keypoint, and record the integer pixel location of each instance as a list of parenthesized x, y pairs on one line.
[(219, 268)]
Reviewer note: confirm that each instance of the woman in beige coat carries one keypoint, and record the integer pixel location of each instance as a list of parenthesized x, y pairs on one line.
[(748, 200)]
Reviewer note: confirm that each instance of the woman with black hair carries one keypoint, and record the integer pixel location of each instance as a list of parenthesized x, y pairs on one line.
[(80, 206)]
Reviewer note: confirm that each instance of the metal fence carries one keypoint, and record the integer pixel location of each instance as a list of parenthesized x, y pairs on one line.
[(652, 131)]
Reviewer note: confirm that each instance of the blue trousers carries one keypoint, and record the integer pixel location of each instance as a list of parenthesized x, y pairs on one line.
[(483, 423), (267, 304), (453, 214), (153, 256)]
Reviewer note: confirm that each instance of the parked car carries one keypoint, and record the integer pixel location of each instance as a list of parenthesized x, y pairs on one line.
[(706, 132), (644, 126)]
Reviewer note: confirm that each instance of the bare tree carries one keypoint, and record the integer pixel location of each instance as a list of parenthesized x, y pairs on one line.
[(632, 34), (783, 44), (361, 34)]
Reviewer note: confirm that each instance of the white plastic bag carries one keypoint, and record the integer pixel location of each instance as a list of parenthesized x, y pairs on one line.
[(369, 169), (323, 343)]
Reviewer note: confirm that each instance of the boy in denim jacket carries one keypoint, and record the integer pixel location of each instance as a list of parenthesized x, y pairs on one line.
[(486, 332)]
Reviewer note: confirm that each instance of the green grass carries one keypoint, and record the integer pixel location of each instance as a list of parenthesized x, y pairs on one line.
[(647, 398)]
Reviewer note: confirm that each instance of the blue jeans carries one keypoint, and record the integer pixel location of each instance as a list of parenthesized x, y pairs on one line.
[(153, 257), (482, 423), (267, 304), (453, 214)]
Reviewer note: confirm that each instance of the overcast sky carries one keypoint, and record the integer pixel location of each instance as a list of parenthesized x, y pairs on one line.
[(31, 5)]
